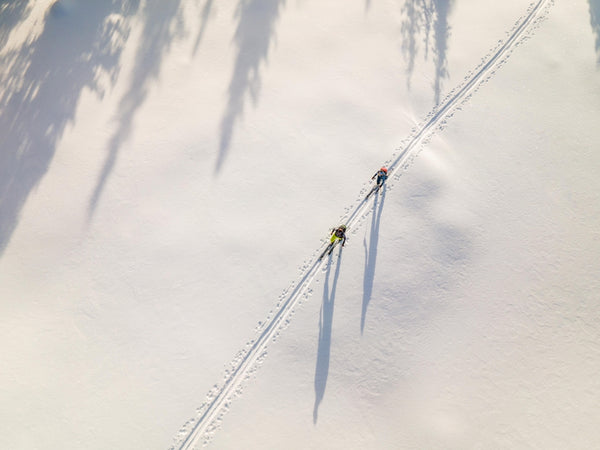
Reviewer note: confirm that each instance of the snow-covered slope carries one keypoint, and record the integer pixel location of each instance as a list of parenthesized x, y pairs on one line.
[(170, 172)]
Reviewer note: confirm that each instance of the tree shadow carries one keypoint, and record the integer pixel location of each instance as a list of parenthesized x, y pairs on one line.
[(158, 34), (11, 14), (371, 257), (253, 36), (43, 82), (416, 20), (595, 22), (441, 34), (427, 20), (205, 15), (325, 328)]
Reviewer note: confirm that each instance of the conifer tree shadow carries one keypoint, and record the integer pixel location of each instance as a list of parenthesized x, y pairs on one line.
[(325, 329), (595, 22), (157, 36), (253, 36), (205, 15), (427, 19), (42, 84), (11, 14), (371, 256)]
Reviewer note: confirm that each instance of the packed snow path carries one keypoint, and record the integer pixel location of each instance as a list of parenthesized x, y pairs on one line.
[(199, 429)]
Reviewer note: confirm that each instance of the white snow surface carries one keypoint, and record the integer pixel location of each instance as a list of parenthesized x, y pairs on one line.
[(170, 171)]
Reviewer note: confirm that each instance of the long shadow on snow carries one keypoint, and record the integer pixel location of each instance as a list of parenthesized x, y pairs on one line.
[(205, 16), (595, 22), (371, 256), (325, 327), (425, 17), (11, 14), (157, 35), (253, 37), (44, 81)]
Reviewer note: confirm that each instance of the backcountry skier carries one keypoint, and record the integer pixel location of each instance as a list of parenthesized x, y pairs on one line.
[(338, 233), (381, 175)]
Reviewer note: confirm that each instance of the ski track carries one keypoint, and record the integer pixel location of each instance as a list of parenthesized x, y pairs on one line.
[(209, 415)]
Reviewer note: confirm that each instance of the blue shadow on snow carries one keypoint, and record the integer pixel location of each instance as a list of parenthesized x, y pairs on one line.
[(158, 33), (42, 87), (427, 17), (595, 23), (371, 256), (253, 37), (325, 328)]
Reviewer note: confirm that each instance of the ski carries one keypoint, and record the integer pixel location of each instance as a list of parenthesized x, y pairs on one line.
[(327, 251), (374, 189), (332, 247), (370, 192)]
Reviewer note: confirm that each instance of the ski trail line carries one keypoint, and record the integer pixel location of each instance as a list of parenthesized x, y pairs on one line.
[(437, 119), (199, 429)]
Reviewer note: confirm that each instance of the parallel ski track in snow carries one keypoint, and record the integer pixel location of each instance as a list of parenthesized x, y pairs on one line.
[(199, 429)]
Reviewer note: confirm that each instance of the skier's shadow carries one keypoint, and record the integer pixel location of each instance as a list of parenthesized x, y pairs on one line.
[(325, 326), (371, 256)]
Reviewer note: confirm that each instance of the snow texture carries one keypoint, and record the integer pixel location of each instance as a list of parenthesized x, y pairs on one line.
[(169, 174)]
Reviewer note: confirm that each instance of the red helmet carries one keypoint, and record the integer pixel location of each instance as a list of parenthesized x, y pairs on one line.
[(383, 169)]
